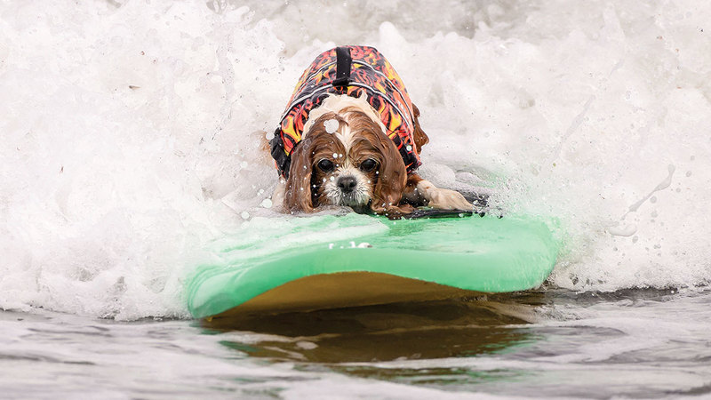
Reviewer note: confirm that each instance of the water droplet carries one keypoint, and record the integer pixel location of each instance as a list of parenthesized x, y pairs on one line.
[(244, 164), (335, 155), (245, 215), (408, 147), (267, 203), (331, 125)]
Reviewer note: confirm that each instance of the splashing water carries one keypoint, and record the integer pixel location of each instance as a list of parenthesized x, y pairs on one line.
[(133, 132)]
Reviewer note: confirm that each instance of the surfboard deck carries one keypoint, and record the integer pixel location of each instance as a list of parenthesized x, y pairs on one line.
[(321, 262)]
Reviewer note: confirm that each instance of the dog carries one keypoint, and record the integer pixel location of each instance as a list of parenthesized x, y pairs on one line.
[(350, 137)]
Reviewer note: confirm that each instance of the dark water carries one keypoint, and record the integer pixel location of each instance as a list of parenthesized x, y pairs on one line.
[(549, 343)]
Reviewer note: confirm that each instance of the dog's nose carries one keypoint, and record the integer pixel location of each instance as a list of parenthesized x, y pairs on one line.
[(346, 184)]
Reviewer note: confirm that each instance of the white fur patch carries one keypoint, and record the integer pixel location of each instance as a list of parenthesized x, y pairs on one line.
[(336, 103), (361, 194)]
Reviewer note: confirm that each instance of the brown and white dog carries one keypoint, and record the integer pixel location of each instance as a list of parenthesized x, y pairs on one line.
[(345, 158)]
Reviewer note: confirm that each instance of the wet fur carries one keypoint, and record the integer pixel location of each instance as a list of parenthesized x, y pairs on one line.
[(386, 190), (309, 187)]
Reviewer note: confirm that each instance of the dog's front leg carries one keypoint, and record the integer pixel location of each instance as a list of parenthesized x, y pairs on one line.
[(444, 199), (278, 196)]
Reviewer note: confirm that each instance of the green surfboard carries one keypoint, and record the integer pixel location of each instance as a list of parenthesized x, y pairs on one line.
[(321, 262)]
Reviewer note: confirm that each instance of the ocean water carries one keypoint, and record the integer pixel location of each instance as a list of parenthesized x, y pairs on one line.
[(132, 137)]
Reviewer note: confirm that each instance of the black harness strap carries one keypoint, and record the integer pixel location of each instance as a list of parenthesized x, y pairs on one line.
[(343, 66), (283, 161)]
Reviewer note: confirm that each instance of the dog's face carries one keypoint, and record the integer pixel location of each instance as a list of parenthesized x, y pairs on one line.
[(345, 159)]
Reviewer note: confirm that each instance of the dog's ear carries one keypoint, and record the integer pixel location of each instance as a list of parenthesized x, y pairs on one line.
[(411, 195), (392, 179), (297, 196), (420, 136)]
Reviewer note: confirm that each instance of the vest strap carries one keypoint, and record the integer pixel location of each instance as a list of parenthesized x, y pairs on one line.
[(283, 162), (343, 66)]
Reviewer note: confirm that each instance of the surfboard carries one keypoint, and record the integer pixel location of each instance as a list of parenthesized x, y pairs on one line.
[(321, 262)]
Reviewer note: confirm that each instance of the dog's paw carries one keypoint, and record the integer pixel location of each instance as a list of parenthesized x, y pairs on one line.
[(446, 199), (443, 199)]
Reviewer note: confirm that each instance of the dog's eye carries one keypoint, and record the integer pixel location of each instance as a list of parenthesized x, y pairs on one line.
[(368, 165), (325, 165)]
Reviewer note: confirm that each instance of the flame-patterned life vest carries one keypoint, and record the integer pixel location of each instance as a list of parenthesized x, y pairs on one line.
[(351, 70)]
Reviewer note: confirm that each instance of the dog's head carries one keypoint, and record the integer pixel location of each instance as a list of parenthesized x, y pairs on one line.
[(346, 159)]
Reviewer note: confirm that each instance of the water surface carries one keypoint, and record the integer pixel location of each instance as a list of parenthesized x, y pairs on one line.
[(543, 344)]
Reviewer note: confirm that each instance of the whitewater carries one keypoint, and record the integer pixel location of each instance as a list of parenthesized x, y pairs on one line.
[(133, 137)]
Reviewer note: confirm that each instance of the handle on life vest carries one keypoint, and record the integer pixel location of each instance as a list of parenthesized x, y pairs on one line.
[(343, 66)]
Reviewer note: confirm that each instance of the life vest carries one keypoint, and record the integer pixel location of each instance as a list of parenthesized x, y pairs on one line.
[(351, 70)]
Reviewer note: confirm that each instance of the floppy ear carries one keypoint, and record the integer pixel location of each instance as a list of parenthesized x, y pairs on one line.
[(420, 136), (392, 178), (297, 196), (411, 195)]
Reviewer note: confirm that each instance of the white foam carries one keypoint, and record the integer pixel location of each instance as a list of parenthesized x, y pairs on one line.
[(133, 135)]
